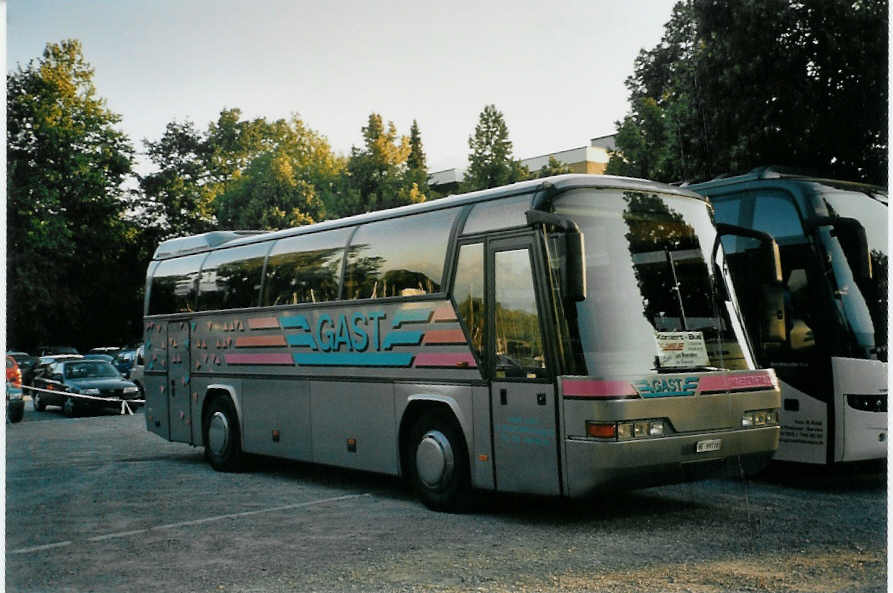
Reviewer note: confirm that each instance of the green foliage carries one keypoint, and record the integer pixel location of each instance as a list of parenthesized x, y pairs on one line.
[(734, 85), (287, 185), (379, 174), (67, 241), (553, 167), (490, 162)]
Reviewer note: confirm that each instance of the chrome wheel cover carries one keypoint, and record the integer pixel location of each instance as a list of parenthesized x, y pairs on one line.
[(434, 460), (218, 433)]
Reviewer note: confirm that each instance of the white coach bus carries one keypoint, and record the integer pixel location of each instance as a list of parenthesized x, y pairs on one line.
[(557, 337), (832, 236)]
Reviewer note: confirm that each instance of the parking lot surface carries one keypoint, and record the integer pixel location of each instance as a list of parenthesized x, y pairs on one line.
[(99, 504)]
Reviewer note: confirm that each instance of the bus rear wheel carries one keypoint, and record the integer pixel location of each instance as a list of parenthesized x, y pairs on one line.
[(222, 440), (438, 463)]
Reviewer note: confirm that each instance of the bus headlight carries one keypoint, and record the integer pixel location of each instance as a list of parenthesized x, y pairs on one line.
[(626, 431), (757, 418)]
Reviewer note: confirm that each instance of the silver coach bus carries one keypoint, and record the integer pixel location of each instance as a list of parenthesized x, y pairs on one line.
[(560, 337)]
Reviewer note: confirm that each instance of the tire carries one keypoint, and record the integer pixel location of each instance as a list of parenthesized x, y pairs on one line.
[(68, 408), (16, 413), (37, 402), (438, 462), (221, 436)]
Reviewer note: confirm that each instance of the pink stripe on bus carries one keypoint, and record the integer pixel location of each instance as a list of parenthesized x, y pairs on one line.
[(443, 359), (252, 341), (444, 336), (278, 358), (263, 323), (736, 381), (594, 388), (445, 312)]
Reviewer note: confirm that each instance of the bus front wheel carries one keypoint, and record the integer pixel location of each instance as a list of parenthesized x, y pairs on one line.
[(220, 431), (438, 463)]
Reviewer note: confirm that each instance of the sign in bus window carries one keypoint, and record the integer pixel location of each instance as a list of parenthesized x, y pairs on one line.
[(518, 339)]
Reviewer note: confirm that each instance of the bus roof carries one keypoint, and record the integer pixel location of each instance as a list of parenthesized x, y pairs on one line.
[(217, 239), (782, 174)]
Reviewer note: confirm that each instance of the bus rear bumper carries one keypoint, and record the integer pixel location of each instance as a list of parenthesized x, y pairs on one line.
[(593, 465)]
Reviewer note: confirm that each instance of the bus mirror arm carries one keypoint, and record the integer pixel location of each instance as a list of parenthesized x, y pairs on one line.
[(853, 240), (771, 286), (574, 249)]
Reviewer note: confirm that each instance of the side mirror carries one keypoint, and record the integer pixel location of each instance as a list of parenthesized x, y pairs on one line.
[(574, 251)]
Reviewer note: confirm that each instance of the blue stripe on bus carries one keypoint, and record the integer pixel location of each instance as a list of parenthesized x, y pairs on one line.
[(404, 338), (411, 316), (294, 321), (301, 340), (354, 359), (665, 393)]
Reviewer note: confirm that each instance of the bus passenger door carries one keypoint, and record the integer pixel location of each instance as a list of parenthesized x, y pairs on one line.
[(522, 390), (177, 387)]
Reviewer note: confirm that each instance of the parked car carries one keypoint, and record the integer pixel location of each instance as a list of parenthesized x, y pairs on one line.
[(136, 373), (84, 376), (25, 361), (15, 404), (42, 364), (49, 350), (110, 350), (105, 357), (124, 361)]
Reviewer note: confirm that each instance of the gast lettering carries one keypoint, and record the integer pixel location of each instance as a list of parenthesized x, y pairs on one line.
[(667, 387)]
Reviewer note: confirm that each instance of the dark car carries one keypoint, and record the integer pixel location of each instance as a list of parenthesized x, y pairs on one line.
[(15, 404), (95, 378), (42, 364), (124, 361)]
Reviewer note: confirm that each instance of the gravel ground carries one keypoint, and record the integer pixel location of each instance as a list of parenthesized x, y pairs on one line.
[(99, 504)]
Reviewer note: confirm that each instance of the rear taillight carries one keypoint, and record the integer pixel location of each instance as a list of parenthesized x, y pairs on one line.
[(16, 378)]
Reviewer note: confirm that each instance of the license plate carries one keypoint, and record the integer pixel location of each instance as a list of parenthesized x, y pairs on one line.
[(711, 445)]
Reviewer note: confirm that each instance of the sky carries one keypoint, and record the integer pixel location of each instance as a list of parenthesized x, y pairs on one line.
[(555, 71)]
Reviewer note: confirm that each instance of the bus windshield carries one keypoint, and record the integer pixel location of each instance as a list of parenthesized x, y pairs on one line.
[(862, 305), (649, 285)]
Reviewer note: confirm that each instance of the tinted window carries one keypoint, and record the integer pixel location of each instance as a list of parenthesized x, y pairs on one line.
[(497, 214), (305, 269), (468, 293), (519, 343), (230, 278), (775, 213), (398, 257), (173, 285)]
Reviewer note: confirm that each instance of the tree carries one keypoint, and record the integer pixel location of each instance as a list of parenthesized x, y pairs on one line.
[(68, 266), (490, 162), (417, 162), (378, 175), (734, 85), (288, 185), (553, 167)]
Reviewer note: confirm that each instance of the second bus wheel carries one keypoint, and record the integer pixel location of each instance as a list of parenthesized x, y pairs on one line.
[(438, 463), (221, 436)]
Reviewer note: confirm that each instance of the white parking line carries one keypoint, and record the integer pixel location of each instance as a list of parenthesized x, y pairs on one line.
[(107, 536), (38, 548)]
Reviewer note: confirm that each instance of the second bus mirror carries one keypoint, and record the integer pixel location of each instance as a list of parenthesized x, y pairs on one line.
[(576, 265)]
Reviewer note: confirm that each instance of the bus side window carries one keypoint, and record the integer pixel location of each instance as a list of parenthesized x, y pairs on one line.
[(400, 257), (468, 294), (230, 278), (173, 288), (305, 268)]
